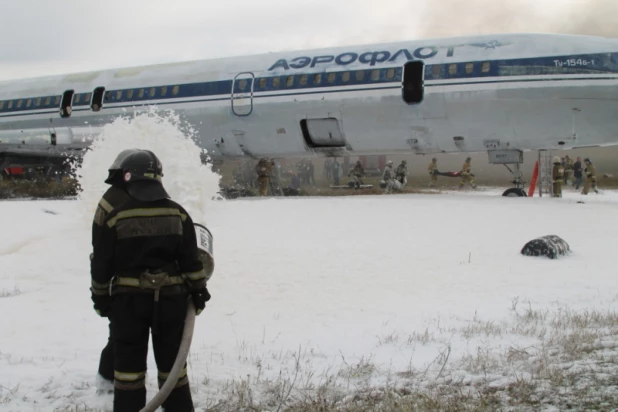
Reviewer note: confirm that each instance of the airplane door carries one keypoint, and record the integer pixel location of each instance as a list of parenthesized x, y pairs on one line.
[(242, 94), (422, 105)]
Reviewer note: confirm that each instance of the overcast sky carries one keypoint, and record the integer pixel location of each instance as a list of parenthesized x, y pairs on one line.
[(44, 37)]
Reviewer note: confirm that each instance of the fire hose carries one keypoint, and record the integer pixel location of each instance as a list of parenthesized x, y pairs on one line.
[(205, 253)]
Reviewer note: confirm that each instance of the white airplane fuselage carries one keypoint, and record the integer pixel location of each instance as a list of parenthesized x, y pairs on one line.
[(519, 91)]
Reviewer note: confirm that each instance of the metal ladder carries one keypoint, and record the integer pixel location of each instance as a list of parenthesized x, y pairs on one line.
[(545, 168)]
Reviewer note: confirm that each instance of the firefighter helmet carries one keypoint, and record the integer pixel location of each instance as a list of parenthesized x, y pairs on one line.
[(115, 176), (142, 172)]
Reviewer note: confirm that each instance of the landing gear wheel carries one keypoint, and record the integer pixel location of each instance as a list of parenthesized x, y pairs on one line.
[(515, 192)]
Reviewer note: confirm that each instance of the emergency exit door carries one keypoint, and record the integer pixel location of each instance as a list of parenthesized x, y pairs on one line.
[(242, 94)]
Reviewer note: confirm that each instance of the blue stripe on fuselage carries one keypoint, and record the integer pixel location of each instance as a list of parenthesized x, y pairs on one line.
[(301, 83)]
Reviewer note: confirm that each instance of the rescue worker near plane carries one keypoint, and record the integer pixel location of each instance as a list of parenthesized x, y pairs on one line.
[(115, 196), (146, 258), (591, 177), (388, 177), (357, 173), (401, 173), (466, 174), (264, 170), (433, 168), (557, 177)]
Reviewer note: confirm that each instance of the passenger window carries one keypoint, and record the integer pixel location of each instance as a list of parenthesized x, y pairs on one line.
[(153, 91), (47, 101), (76, 98), (242, 84), (275, 82), (332, 77), (108, 96), (140, 94), (57, 100), (390, 74), (345, 77), (303, 80), (317, 78), (452, 69), (360, 75), (469, 68), (289, 82), (130, 94), (263, 83), (1, 105), (375, 75), (37, 103), (119, 95), (436, 70), (28, 102), (19, 103), (485, 67), (175, 90), (87, 98), (10, 106), (163, 90)]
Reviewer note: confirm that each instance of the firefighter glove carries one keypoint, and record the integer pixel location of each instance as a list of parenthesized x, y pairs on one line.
[(200, 297), (102, 305)]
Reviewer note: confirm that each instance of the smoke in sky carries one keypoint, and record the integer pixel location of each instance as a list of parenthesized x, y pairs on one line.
[(444, 18)]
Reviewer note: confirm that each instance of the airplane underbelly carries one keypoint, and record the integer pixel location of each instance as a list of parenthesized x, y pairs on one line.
[(536, 118)]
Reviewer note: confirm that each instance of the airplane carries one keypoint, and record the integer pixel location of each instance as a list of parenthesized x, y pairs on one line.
[(504, 94)]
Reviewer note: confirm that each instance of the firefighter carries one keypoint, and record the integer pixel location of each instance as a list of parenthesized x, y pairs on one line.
[(115, 196), (401, 173), (146, 254), (591, 177), (388, 177), (264, 170), (433, 168), (357, 173), (466, 174), (557, 177)]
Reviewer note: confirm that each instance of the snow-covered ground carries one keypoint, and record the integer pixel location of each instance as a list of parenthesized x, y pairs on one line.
[(329, 299), (367, 289)]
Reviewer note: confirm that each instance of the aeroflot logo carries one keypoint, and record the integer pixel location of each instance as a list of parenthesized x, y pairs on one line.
[(375, 57), (370, 58)]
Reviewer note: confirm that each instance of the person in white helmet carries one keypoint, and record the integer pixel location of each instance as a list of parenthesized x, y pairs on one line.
[(557, 177)]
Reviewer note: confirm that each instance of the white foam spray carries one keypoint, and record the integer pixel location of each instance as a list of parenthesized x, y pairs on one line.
[(188, 181)]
